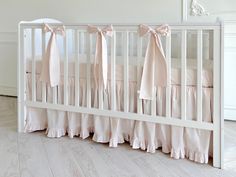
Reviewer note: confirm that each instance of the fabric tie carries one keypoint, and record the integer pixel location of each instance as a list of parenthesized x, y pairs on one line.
[(50, 72), (101, 59), (155, 67)]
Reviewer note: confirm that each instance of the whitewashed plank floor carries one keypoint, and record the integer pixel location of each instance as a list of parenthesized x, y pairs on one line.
[(35, 155)]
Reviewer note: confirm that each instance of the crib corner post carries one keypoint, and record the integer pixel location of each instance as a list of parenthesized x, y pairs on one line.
[(21, 112), (218, 118), (222, 95)]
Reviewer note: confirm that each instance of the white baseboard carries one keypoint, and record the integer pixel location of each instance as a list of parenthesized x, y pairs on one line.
[(230, 113), (9, 91)]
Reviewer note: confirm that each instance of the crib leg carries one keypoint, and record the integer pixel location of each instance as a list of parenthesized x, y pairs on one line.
[(21, 80), (21, 116), (218, 101), (217, 147)]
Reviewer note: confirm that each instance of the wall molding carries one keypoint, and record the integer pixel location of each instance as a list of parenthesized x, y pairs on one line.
[(184, 10), (230, 49), (192, 8), (197, 9), (230, 35), (8, 91), (230, 113), (8, 47)]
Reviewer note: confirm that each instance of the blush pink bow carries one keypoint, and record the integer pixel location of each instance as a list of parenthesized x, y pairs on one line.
[(155, 67), (50, 72), (101, 60)]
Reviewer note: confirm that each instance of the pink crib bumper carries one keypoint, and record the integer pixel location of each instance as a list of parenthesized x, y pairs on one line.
[(191, 80)]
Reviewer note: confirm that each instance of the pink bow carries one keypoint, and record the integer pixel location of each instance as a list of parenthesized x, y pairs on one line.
[(50, 72), (155, 67), (101, 61)]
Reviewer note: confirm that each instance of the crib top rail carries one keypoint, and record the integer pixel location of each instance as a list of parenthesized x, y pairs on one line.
[(128, 26)]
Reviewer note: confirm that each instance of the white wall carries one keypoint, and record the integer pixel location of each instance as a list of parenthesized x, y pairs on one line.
[(109, 11), (121, 11), (83, 11)]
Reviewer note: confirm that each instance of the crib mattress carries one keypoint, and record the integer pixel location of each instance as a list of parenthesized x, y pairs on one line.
[(191, 80)]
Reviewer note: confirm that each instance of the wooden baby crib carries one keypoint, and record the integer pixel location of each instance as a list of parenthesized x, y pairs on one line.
[(126, 50)]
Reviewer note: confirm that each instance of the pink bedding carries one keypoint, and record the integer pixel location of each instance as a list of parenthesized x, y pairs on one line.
[(178, 141), (207, 80)]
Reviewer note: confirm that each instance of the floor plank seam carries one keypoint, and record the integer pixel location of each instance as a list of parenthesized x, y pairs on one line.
[(76, 163), (18, 154), (44, 148)]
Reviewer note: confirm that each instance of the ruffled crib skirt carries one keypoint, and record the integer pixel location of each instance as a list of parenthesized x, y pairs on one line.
[(178, 141)]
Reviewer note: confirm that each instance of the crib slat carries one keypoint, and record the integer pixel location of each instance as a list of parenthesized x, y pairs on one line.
[(100, 93), (54, 95), (139, 71), (55, 92), (100, 89), (77, 91), (113, 72), (154, 105), (83, 37), (66, 70), (183, 74), (168, 88), (43, 53), (131, 40), (33, 66), (88, 72), (126, 71), (199, 75)]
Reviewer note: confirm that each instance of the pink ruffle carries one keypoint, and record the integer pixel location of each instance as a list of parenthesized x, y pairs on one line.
[(55, 133), (140, 135), (72, 133), (197, 156), (177, 153)]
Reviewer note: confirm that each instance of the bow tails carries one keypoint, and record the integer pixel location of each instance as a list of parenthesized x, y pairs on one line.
[(101, 58), (155, 66), (50, 72)]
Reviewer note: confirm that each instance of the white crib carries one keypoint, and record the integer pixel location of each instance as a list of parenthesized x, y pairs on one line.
[(125, 49)]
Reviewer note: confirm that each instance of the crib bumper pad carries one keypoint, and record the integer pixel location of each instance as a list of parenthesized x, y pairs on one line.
[(207, 78)]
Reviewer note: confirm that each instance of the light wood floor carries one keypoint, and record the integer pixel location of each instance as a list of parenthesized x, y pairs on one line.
[(35, 155)]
